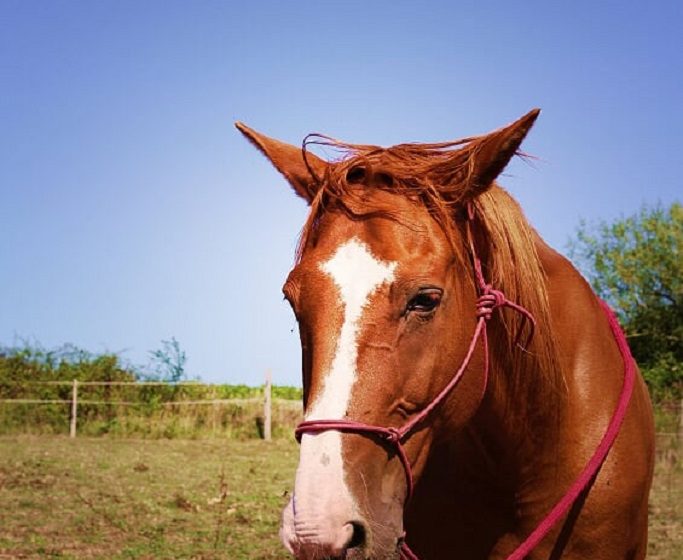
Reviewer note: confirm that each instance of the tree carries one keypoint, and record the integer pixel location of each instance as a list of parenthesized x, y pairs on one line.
[(636, 265), (169, 361)]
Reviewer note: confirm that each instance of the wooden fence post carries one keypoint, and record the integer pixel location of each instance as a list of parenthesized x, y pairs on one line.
[(74, 409), (215, 410), (267, 406)]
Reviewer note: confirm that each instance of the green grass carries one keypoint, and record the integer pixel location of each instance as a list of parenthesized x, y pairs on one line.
[(194, 499), (110, 498)]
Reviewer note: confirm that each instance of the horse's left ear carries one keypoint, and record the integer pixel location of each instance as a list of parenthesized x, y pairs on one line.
[(289, 161), (489, 154)]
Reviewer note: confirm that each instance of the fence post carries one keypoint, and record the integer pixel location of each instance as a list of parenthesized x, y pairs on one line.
[(267, 406), (74, 409), (214, 410)]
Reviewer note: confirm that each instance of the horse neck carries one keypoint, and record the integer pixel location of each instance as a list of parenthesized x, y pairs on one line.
[(510, 442), (516, 425), (591, 369)]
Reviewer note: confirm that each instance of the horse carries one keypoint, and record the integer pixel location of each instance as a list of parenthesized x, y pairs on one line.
[(458, 373)]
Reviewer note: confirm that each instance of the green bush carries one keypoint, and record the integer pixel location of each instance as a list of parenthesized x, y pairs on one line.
[(159, 410), (636, 264), (664, 378)]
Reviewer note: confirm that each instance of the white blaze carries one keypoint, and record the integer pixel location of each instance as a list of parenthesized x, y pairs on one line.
[(322, 499), (357, 274)]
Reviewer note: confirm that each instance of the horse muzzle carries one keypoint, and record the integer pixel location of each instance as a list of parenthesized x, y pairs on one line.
[(322, 532)]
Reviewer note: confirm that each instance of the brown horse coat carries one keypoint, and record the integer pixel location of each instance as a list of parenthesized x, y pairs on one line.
[(384, 294)]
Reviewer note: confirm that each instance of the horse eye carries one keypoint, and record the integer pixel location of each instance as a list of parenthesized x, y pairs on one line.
[(426, 300)]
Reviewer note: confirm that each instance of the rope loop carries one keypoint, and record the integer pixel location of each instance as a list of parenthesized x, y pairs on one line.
[(489, 300)]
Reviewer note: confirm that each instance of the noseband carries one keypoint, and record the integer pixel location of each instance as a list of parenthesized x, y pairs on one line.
[(490, 299)]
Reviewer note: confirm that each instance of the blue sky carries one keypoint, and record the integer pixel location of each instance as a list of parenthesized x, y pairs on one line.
[(132, 211)]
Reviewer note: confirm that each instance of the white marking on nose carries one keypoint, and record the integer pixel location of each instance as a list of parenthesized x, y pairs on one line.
[(324, 504)]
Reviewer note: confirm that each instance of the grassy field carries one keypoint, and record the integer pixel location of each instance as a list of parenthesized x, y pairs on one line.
[(195, 499), (112, 498)]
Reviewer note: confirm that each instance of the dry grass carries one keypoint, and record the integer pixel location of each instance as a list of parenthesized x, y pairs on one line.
[(110, 498), (666, 501), (202, 499)]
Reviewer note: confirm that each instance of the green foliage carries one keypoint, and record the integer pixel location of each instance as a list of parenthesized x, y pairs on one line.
[(636, 265), (168, 362), (29, 363), (664, 378), (140, 409)]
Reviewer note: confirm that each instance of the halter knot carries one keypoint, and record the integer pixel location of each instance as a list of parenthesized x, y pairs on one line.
[(489, 300), (393, 435)]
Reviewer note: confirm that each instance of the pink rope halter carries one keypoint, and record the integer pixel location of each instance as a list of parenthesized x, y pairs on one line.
[(489, 299)]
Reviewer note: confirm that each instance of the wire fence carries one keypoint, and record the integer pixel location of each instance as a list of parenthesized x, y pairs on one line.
[(173, 407), (152, 397)]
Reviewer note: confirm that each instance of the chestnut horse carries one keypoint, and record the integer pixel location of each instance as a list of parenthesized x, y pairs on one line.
[(416, 271)]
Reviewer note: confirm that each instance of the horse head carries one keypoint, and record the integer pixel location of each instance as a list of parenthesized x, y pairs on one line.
[(384, 293)]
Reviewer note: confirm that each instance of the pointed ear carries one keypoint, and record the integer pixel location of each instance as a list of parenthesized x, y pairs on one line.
[(486, 157), (289, 161)]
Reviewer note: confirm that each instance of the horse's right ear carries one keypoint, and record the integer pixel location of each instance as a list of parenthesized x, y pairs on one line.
[(289, 161)]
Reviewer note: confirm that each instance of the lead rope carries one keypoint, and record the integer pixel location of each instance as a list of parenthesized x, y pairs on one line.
[(489, 299), (593, 466)]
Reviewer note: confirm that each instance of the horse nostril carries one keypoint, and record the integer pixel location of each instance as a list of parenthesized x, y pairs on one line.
[(358, 535), (384, 179), (356, 175)]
